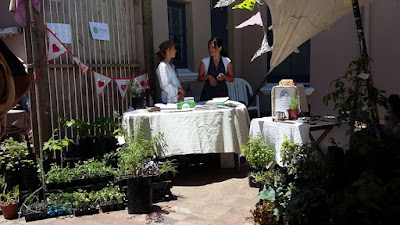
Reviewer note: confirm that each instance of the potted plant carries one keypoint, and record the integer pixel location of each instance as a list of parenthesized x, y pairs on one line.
[(293, 110), (138, 99), (258, 154), (9, 202), (134, 155), (162, 184)]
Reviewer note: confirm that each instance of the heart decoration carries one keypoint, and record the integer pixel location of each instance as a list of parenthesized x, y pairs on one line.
[(142, 83), (55, 48), (101, 83), (123, 87)]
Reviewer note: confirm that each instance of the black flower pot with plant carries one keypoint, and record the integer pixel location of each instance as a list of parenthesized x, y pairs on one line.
[(140, 195)]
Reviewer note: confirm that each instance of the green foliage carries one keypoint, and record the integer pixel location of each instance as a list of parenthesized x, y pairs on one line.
[(55, 144), (294, 102), (87, 169), (13, 154), (134, 88), (82, 198), (9, 197), (257, 152), (279, 197), (354, 97), (168, 166), (137, 151), (78, 125)]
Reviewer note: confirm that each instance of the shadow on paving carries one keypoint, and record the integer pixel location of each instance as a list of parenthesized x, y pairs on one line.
[(201, 170)]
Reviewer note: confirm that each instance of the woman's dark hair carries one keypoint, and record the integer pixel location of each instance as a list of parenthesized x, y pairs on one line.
[(218, 43)]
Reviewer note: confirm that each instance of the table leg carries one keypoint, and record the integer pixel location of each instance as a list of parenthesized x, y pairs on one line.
[(316, 142)]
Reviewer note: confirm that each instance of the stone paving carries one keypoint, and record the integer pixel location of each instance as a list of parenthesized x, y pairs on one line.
[(204, 196)]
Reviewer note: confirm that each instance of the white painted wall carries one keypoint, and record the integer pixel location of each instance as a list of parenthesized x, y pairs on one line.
[(331, 51)]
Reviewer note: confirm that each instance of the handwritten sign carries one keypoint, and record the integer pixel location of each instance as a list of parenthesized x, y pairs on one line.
[(62, 31), (282, 98)]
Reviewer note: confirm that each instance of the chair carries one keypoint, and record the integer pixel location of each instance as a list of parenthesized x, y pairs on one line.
[(240, 90)]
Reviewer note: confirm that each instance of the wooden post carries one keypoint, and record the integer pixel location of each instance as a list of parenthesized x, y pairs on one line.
[(364, 53), (148, 46), (39, 92)]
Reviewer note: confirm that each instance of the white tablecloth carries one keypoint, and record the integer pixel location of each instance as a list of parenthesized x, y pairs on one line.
[(274, 133), (195, 132)]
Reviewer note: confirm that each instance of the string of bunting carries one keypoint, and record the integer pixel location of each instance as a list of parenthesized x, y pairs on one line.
[(254, 20), (55, 48)]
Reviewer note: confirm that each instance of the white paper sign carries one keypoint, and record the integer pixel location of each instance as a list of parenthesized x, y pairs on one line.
[(99, 31), (282, 98), (62, 31)]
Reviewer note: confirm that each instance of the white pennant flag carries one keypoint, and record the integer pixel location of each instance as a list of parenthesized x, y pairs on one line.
[(143, 80), (78, 62), (254, 20), (263, 49), (122, 84), (223, 3), (101, 82), (54, 47)]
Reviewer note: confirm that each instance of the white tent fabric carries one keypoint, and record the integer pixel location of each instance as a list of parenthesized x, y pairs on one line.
[(296, 21)]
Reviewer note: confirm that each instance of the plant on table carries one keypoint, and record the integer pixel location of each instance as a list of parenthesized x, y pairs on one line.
[(293, 107)]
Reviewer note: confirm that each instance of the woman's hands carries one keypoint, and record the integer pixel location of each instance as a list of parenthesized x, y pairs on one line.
[(212, 80), (221, 77), (181, 93)]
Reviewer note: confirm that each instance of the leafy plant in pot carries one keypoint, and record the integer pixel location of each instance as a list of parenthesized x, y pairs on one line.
[(9, 202), (259, 155), (138, 99), (134, 157), (293, 110)]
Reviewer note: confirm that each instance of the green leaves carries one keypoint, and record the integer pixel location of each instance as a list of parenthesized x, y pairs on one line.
[(257, 152), (55, 144)]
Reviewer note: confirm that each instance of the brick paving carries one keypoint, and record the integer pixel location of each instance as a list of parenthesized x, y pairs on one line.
[(204, 196)]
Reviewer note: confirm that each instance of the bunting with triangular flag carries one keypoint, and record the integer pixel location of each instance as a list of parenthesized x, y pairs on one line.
[(122, 84), (254, 20), (54, 47), (223, 3), (143, 80), (246, 4), (82, 66), (263, 49), (100, 81)]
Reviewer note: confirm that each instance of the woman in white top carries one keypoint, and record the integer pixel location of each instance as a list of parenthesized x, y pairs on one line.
[(171, 89), (214, 71)]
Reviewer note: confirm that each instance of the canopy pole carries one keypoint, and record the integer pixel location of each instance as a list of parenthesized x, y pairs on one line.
[(364, 54), (258, 89)]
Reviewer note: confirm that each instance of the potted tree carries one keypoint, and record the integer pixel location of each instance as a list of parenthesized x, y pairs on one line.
[(9, 202), (135, 157), (293, 110)]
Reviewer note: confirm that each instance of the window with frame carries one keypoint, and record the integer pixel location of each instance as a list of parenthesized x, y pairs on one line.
[(177, 32)]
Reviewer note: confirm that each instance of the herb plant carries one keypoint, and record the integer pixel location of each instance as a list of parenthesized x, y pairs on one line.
[(258, 153)]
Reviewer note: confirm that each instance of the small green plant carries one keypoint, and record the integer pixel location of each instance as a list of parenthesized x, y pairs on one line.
[(294, 102), (137, 151), (258, 153), (55, 144), (134, 88), (80, 126), (168, 166), (10, 197), (13, 154)]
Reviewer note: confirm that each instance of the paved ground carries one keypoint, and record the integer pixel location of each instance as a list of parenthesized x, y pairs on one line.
[(212, 196)]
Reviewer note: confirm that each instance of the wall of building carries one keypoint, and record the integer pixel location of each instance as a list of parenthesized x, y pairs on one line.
[(198, 25), (331, 51)]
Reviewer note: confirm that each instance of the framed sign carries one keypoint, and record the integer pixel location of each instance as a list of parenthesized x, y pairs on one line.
[(280, 99)]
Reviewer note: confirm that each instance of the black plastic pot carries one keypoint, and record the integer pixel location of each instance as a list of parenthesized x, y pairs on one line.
[(140, 195)]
